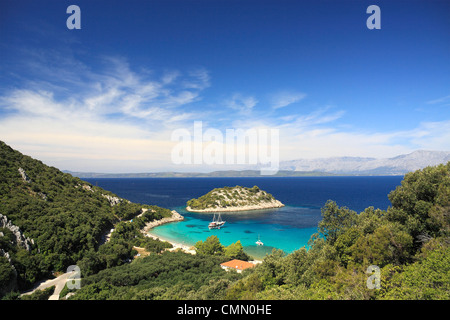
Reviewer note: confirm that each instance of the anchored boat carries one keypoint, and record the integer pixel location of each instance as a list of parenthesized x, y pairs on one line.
[(259, 242), (216, 223)]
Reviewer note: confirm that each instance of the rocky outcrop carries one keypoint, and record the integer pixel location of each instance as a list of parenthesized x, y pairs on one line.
[(21, 240), (24, 175), (175, 217), (42, 195), (113, 200)]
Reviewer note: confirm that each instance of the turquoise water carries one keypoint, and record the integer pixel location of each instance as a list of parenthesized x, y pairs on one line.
[(247, 231), (288, 228)]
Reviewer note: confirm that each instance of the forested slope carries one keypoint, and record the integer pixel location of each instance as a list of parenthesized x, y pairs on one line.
[(409, 243), (50, 220)]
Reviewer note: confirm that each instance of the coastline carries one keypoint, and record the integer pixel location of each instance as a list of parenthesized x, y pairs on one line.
[(174, 218), (269, 205), (176, 245)]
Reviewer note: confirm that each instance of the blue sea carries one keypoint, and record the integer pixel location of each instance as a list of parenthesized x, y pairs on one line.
[(288, 228)]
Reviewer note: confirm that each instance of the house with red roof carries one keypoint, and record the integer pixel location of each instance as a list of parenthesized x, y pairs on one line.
[(237, 265)]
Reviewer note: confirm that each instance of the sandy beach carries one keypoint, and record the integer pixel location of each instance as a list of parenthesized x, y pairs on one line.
[(176, 245), (174, 218)]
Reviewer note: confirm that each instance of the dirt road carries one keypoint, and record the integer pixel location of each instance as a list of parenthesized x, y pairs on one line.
[(58, 282)]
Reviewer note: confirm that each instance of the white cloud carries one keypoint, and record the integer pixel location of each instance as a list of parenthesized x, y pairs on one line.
[(316, 134), (200, 79), (317, 117), (118, 120), (431, 135), (170, 77), (330, 142), (283, 99), (439, 100), (115, 118), (241, 103)]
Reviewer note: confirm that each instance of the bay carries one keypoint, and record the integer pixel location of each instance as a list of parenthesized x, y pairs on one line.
[(288, 228)]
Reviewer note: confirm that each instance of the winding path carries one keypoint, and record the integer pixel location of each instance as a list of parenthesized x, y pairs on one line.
[(58, 282)]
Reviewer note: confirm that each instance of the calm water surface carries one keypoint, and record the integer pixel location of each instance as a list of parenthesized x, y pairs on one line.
[(288, 228)]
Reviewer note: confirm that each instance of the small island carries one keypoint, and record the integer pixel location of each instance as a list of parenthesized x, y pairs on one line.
[(233, 199)]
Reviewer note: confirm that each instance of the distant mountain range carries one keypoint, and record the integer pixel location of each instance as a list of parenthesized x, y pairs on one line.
[(217, 174), (369, 166), (311, 167)]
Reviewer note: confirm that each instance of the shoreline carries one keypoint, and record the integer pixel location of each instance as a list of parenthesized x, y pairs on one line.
[(190, 249), (174, 218), (273, 205), (176, 245)]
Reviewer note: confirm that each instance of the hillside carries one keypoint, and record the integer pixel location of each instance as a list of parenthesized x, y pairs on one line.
[(408, 243), (233, 199), (398, 165), (50, 220)]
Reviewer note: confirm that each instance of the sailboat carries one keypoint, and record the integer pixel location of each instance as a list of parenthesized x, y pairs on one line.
[(216, 223), (259, 242)]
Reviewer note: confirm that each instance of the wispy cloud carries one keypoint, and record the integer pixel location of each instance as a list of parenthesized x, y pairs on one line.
[(445, 99), (318, 134), (110, 113), (283, 99), (116, 89), (317, 117), (331, 141), (116, 117), (241, 103)]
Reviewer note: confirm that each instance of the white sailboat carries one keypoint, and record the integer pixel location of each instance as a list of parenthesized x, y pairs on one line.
[(259, 242), (216, 223)]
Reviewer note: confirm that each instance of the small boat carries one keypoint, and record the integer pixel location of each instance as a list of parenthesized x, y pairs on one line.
[(216, 223), (259, 242)]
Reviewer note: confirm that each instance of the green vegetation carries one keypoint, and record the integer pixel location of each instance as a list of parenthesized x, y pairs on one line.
[(230, 197), (409, 242), (171, 275), (39, 294), (66, 218), (126, 235), (212, 246)]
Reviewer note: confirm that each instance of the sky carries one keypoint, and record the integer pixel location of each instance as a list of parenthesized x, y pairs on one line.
[(109, 97)]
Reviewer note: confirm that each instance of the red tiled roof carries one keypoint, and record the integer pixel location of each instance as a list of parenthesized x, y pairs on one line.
[(237, 264)]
